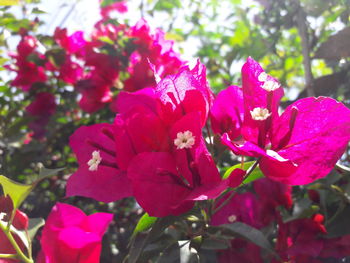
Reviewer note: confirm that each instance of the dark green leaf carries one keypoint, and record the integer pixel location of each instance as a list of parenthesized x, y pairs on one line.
[(250, 233), (340, 225)]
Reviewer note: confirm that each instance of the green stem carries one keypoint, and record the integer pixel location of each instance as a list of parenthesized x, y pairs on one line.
[(20, 255), (12, 256), (251, 168), (249, 171)]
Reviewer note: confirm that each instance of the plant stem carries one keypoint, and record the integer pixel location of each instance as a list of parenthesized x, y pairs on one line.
[(20, 255), (12, 256), (302, 28), (251, 168), (249, 171)]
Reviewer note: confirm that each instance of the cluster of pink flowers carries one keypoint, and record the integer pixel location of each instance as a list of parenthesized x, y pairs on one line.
[(285, 144), (93, 66), (301, 240), (155, 151), (156, 140)]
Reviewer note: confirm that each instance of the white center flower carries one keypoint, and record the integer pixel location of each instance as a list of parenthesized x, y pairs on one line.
[(260, 114), (270, 85), (184, 140), (262, 77), (94, 161), (232, 218)]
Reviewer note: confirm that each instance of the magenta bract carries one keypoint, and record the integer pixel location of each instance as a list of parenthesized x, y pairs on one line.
[(227, 113), (298, 147), (98, 175), (71, 236)]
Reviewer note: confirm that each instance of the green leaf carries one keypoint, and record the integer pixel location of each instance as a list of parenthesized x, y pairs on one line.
[(339, 225), (45, 173), (144, 224), (255, 174), (170, 254), (139, 242), (18, 192), (34, 225), (215, 244), (250, 233), (37, 11)]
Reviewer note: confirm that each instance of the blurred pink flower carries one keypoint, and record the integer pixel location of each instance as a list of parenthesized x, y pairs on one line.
[(71, 236)]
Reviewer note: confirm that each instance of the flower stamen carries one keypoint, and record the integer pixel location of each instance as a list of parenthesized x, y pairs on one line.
[(262, 76), (184, 140), (94, 161), (260, 114), (270, 85), (232, 218)]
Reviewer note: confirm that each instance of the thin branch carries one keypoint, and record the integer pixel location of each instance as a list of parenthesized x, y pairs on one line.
[(303, 32), (13, 256)]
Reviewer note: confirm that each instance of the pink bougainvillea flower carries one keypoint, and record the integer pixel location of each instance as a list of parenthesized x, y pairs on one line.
[(70, 72), (244, 208), (94, 97), (41, 109), (71, 236), (95, 92), (168, 183), (27, 71), (153, 48), (298, 147), (185, 92), (20, 223), (301, 238), (257, 211), (304, 240), (26, 46), (272, 194), (226, 114), (158, 134), (336, 247), (241, 251), (108, 30), (44, 104), (95, 84), (120, 7), (157, 141), (73, 44), (98, 175), (104, 151)]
